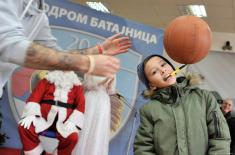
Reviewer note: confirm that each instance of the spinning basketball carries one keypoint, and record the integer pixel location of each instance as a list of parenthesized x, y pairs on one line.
[(187, 39)]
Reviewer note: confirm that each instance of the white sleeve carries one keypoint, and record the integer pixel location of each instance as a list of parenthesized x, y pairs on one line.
[(45, 37), (13, 42), (112, 86)]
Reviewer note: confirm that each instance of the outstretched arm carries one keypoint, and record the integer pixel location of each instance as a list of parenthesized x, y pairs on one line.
[(16, 48), (40, 57), (113, 45)]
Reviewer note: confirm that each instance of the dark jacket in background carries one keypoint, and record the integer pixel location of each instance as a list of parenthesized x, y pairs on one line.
[(231, 124)]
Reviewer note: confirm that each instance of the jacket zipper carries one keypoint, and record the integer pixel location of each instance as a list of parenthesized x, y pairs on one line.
[(216, 125)]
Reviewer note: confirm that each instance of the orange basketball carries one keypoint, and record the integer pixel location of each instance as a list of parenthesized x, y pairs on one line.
[(187, 39)]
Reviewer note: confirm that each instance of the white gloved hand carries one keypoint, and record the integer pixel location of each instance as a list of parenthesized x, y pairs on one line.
[(26, 122), (69, 126)]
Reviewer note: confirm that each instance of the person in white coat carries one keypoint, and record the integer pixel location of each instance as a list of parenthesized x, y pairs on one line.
[(26, 40)]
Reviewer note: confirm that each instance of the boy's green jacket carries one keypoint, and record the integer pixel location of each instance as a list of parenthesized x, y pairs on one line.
[(182, 120)]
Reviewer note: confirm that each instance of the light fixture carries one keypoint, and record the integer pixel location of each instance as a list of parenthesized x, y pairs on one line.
[(195, 10), (98, 6), (227, 46)]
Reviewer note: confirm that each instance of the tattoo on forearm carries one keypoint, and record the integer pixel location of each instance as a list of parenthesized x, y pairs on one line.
[(85, 51), (66, 61), (40, 57), (82, 51)]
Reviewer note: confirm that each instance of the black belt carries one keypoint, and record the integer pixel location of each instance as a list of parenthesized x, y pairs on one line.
[(58, 103)]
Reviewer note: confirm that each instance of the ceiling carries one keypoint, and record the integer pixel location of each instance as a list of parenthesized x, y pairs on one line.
[(159, 13)]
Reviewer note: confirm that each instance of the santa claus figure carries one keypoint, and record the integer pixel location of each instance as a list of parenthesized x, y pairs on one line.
[(57, 103)]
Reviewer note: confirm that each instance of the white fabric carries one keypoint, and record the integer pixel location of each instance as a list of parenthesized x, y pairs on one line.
[(111, 86), (94, 137), (16, 35), (218, 69), (64, 81), (31, 108), (92, 82), (77, 118), (41, 124), (69, 126)]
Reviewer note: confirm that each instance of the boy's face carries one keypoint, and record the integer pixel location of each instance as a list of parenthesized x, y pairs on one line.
[(227, 106), (158, 73)]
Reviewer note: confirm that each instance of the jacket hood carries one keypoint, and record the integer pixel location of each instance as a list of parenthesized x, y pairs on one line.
[(184, 85)]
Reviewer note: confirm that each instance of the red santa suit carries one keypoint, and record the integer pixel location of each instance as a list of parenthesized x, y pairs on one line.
[(66, 89)]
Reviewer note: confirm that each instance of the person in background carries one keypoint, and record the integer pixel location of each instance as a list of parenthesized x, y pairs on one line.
[(226, 106), (26, 40), (180, 118), (227, 109)]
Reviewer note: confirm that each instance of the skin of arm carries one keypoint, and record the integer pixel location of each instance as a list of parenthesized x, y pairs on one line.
[(41, 57)]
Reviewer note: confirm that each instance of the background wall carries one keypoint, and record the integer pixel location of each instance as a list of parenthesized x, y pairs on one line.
[(218, 67), (66, 17), (77, 26)]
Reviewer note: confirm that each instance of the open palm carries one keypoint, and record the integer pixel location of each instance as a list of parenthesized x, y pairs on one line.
[(116, 44)]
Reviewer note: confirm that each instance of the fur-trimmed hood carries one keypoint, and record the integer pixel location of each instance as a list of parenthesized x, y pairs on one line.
[(171, 94), (194, 79)]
